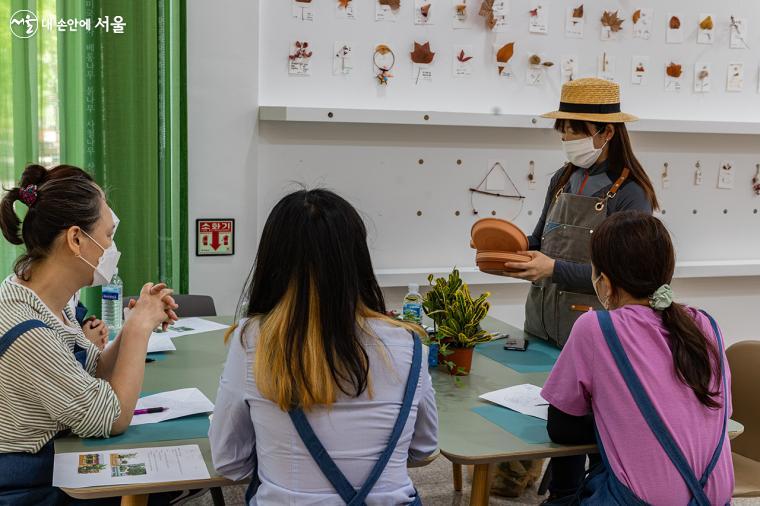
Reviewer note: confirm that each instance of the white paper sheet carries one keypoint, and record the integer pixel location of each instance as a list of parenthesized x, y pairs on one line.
[(569, 68), (343, 58), (303, 11), (189, 326), (463, 59), (160, 342), (705, 35), (642, 29), (525, 399), (639, 70), (539, 19), (183, 402), (118, 467), (574, 27)]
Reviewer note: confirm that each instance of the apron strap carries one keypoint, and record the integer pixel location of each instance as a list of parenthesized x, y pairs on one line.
[(318, 452), (19, 330), (719, 448), (648, 411), (326, 464), (614, 188), (81, 355)]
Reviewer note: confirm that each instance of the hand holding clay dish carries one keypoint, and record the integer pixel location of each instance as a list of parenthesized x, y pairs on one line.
[(497, 242)]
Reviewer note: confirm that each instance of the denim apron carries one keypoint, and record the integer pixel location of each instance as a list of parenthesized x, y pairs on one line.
[(550, 311), (26, 478), (602, 487), (340, 483)]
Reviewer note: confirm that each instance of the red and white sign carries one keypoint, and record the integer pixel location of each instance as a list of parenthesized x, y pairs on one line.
[(215, 237)]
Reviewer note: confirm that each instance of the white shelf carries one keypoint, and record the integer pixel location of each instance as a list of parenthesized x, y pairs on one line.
[(717, 269), (407, 117), (472, 276)]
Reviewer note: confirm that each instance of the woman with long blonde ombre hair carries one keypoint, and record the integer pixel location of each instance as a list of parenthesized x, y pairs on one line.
[(323, 398)]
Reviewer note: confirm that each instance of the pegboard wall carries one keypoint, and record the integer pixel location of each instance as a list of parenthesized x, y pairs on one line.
[(411, 184), (484, 91)]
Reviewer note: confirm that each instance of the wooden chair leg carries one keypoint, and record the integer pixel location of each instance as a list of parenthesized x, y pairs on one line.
[(217, 496), (481, 485), (134, 500), (544, 485), (457, 477)]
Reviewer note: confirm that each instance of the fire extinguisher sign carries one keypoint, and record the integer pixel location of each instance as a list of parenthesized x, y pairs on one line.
[(214, 237)]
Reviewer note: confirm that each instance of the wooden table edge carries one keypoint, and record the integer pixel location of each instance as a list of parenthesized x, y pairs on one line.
[(559, 451), (525, 455), (172, 486), (148, 488), (424, 462)]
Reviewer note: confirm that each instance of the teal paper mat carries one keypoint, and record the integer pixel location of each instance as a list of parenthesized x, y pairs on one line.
[(189, 427), (528, 428), (539, 357)]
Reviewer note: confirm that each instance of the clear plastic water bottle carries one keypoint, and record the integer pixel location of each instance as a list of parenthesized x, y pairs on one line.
[(412, 309), (111, 308)]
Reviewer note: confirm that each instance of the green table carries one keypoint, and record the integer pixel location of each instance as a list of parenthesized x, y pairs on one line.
[(465, 437), (198, 362)]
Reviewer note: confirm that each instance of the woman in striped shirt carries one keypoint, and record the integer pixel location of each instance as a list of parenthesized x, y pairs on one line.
[(52, 379)]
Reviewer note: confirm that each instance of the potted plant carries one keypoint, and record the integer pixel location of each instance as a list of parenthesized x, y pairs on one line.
[(456, 316)]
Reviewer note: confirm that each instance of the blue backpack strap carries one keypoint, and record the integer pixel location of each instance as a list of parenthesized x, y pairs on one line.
[(338, 480), (22, 328), (648, 411), (719, 448)]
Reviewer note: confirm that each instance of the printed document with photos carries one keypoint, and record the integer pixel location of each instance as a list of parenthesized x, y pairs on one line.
[(121, 467)]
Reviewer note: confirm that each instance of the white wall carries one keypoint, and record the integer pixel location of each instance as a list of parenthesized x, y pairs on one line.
[(485, 90), (239, 168), (222, 94), (376, 168)]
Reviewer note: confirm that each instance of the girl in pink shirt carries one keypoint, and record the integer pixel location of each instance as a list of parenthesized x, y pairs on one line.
[(674, 387)]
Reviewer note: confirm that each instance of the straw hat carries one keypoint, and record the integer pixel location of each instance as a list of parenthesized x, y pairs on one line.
[(591, 99)]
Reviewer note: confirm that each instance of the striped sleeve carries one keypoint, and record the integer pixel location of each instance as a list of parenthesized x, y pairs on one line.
[(93, 354), (49, 375)]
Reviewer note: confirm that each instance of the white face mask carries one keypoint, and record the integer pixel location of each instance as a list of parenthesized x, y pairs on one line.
[(604, 303), (116, 221), (108, 261), (581, 152)]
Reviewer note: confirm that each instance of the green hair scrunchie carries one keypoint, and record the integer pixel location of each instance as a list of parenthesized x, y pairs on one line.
[(662, 298)]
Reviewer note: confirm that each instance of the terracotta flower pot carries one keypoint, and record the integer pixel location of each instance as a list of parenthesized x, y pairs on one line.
[(462, 358), (497, 241)]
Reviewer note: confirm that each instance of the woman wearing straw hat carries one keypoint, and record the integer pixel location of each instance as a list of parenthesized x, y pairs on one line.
[(602, 177)]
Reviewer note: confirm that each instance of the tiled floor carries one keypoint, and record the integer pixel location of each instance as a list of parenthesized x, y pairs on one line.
[(434, 483)]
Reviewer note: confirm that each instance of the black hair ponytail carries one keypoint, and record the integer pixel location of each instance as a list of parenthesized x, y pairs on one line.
[(57, 199), (634, 250)]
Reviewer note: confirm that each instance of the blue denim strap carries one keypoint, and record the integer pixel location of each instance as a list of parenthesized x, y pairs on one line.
[(80, 313), (22, 328), (81, 355), (648, 411), (719, 448), (605, 477), (318, 452)]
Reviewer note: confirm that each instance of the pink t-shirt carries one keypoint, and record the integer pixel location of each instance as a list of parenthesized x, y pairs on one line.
[(586, 378)]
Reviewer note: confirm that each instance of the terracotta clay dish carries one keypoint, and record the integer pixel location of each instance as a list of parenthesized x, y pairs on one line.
[(497, 241)]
